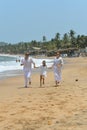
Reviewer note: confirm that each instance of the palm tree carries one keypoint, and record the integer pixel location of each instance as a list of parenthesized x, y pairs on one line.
[(44, 38), (66, 41), (72, 33), (72, 38), (57, 40), (57, 36)]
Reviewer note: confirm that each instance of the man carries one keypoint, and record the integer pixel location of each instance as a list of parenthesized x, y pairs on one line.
[(27, 68)]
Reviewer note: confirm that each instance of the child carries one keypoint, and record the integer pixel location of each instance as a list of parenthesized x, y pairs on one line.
[(43, 72)]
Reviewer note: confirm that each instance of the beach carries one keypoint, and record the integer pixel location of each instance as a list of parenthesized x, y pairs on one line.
[(47, 108)]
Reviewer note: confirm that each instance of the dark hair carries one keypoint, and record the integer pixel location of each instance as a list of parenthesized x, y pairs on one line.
[(44, 62), (26, 53)]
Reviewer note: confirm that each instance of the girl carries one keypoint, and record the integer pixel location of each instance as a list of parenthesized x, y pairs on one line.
[(43, 72)]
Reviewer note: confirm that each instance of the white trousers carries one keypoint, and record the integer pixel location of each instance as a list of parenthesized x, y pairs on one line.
[(27, 77), (57, 74)]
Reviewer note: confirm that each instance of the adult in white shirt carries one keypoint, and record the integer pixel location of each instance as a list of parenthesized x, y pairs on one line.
[(57, 66), (27, 68)]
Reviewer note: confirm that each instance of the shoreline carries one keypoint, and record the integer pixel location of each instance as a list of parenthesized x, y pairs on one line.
[(8, 73), (13, 73), (16, 69), (16, 73)]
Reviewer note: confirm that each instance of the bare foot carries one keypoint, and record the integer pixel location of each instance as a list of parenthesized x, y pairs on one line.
[(25, 86), (29, 83)]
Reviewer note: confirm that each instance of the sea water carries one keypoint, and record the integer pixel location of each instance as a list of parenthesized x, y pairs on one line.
[(9, 67)]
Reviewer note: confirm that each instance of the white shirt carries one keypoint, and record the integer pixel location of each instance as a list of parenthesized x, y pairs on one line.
[(58, 61), (27, 63)]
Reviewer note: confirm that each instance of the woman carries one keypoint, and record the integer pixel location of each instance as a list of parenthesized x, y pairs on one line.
[(57, 66)]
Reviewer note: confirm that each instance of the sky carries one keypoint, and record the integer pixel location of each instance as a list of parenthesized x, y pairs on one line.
[(27, 20)]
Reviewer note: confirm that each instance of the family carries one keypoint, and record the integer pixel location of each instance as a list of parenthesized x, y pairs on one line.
[(27, 63)]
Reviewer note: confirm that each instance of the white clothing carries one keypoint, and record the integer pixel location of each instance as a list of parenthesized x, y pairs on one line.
[(27, 68), (57, 68), (43, 70), (27, 64)]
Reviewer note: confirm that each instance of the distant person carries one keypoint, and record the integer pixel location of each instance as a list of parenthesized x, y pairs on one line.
[(57, 66), (18, 59), (27, 68)]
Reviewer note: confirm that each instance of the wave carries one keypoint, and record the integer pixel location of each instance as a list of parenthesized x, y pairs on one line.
[(13, 65)]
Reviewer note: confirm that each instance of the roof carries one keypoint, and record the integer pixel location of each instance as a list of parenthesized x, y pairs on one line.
[(36, 48)]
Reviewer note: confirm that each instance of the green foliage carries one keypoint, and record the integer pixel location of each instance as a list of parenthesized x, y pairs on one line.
[(3, 43), (69, 40)]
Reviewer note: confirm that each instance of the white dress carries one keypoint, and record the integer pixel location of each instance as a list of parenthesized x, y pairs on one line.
[(43, 70), (57, 66), (27, 69)]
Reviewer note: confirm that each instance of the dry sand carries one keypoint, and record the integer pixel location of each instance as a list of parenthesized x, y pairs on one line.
[(49, 107)]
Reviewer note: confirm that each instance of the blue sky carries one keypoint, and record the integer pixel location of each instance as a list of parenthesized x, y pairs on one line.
[(27, 20)]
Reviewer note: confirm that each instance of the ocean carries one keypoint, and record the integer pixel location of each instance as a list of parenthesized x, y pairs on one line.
[(9, 67)]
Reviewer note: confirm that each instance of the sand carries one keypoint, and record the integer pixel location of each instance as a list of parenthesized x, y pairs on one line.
[(47, 108)]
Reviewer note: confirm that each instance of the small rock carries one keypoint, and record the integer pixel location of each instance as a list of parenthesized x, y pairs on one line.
[(76, 80)]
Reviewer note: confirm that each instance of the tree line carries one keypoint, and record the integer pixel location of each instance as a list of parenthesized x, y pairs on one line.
[(68, 40)]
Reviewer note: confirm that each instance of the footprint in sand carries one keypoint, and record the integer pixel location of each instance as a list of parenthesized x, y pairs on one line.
[(18, 101), (2, 118)]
